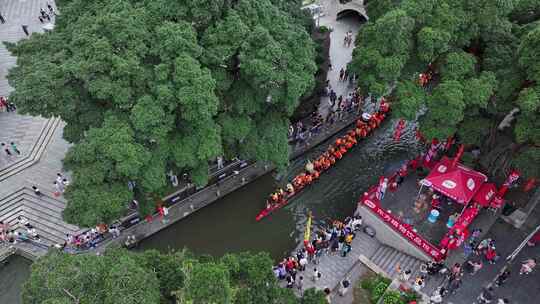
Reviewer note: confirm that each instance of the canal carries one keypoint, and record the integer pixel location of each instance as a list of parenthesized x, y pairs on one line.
[(14, 271), (229, 225)]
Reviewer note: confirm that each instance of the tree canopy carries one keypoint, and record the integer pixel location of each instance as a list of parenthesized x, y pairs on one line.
[(120, 276), (484, 58), (149, 86)]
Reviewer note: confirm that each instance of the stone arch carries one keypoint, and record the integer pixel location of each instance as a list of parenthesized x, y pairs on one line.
[(352, 12)]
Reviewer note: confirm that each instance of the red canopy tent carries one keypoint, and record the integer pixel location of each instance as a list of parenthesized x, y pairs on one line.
[(459, 183), (485, 194)]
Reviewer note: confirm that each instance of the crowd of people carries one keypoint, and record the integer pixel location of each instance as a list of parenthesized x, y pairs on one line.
[(333, 239), (22, 231)]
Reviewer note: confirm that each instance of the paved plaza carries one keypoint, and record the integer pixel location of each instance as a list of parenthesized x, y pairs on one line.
[(38, 139)]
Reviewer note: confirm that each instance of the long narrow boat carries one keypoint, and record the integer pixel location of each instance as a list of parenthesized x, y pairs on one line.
[(374, 122)]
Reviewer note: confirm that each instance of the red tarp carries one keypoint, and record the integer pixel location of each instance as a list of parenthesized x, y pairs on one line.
[(485, 194), (459, 183)]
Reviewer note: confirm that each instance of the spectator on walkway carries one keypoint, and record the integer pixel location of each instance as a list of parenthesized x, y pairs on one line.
[(527, 266), (502, 278), (51, 10), (220, 162), (404, 276), (327, 292), (474, 266), (14, 148), (343, 287), (486, 296), (36, 191), (59, 187), (300, 284), (491, 255), (25, 29), (6, 150), (341, 74), (454, 285), (316, 275)]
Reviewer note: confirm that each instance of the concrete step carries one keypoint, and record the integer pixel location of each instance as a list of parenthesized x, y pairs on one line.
[(388, 258), (9, 207), (36, 152)]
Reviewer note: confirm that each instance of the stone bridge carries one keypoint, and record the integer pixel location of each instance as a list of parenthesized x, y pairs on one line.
[(352, 6)]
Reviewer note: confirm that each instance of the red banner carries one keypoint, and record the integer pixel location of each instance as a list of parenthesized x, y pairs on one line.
[(403, 229)]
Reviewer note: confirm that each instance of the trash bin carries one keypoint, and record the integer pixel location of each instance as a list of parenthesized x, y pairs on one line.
[(433, 216)]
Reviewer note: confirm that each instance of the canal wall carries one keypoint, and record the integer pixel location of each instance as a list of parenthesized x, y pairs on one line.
[(182, 207), (386, 235)]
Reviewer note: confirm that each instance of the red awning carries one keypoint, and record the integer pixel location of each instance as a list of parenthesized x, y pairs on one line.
[(459, 183), (485, 194)]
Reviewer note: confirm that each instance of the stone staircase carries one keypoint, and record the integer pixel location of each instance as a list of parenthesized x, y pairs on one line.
[(36, 151), (335, 268), (388, 259), (43, 212)]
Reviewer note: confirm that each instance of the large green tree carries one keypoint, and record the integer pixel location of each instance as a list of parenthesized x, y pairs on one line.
[(120, 276), (484, 55), (151, 86)]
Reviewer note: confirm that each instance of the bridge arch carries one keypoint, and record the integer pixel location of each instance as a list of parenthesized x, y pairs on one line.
[(349, 8), (352, 13)]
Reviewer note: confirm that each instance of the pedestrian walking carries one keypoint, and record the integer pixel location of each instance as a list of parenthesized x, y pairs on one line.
[(503, 301), (343, 287), (316, 275), (473, 267), (59, 188), (40, 19), (486, 296), (404, 276), (25, 29), (300, 283), (2, 20), (36, 191), (220, 162), (491, 255), (6, 150), (341, 74), (527, 266), (290, 281), (42, 12), (51, 10), (14, 148), (502, 278), (454, 285)]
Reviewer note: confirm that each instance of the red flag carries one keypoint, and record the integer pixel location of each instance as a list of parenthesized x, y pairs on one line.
[(531, 182), (399, 128), (510, 180), (458, 155)]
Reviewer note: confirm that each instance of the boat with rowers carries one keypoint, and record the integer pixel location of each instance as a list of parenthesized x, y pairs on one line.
[(363, 127)]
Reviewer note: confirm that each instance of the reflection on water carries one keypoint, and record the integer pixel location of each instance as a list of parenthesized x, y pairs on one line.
[(13, 273), (229, 224)]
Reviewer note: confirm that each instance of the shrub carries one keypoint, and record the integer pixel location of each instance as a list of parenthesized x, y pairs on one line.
[(393, 297), (378, 291), (324, 29)]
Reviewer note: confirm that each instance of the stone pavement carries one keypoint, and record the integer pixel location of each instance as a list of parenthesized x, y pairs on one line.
[(38, 139), (340, 55), (518, 289), (334, 268)]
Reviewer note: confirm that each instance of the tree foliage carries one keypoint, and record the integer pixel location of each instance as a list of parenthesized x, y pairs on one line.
[(484, 57), (151, 86), (119, 276)]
